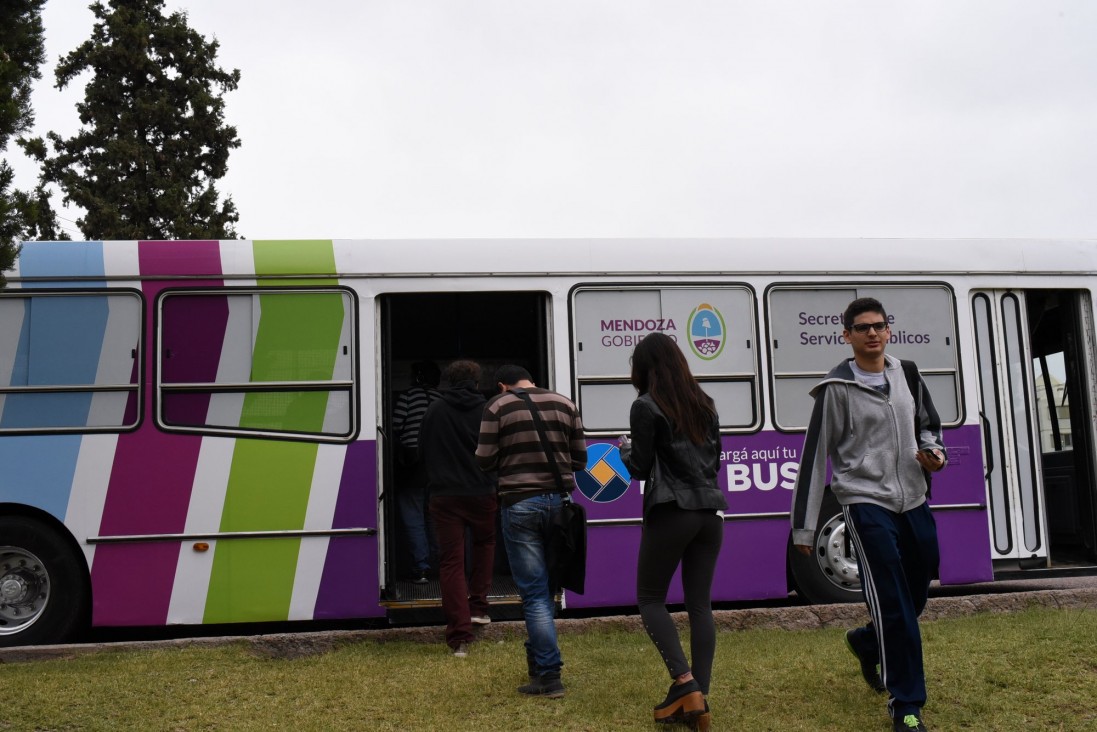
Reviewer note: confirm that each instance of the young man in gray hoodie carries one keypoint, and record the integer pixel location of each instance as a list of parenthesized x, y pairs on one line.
[(875, 421)]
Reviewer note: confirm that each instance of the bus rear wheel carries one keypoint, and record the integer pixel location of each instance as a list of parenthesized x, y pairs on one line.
[(43, 592), (830, 574)]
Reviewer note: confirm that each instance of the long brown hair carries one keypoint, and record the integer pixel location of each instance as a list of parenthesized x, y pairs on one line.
[(660, 369)]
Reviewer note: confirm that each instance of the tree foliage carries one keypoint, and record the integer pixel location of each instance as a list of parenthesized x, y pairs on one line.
[(153, 141), (22, 51)]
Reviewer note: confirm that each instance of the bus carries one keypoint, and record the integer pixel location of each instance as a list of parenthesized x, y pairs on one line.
[(201, 432)]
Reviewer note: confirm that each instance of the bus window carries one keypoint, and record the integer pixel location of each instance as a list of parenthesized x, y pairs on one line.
[(714, 327), (805, 326), (69, 361), (278, 362)]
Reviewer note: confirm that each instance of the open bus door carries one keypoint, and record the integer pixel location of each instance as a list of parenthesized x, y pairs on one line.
[(491, 328), (1035, 373)]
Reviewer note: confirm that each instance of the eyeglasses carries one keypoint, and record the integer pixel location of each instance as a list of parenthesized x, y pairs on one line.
[(863, 328)]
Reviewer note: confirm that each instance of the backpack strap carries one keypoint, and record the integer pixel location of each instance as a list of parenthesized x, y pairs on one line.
[(914, 384)]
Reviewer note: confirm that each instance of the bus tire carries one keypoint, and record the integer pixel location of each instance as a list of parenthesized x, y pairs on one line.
[(43, 586), (830, 574)]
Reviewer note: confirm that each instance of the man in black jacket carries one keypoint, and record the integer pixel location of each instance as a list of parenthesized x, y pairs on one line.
[(461, 497)]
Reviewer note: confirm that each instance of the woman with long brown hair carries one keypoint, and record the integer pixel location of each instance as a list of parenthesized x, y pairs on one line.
[(675, 447)]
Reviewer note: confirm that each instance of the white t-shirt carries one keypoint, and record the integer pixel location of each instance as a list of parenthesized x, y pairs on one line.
[(875, 379)]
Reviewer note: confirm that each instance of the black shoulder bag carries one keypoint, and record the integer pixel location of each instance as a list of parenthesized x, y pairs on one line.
[(567, 545)]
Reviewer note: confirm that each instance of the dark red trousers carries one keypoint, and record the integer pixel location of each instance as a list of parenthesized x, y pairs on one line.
[(462, 599)]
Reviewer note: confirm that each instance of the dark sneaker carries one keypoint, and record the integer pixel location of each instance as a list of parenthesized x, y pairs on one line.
[(420, 577), (868, 663), (909, 723), (548, 686), (460, 650)]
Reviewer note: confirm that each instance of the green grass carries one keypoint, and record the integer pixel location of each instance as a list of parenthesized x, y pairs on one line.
[(1035, 670)]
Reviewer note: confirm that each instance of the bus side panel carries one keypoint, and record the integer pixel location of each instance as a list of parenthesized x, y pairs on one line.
[(963, 534), (153, 475), (349, 587)]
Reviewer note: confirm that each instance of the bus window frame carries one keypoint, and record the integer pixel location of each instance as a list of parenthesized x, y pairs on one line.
[(767, 318), (754, 381), (353, 388), (137, 386)]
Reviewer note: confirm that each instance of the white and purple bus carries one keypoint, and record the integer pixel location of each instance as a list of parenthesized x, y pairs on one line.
[(201, 431)]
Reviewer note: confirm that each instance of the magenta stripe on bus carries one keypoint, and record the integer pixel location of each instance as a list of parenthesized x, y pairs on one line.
[(348, 587), (153, 474)]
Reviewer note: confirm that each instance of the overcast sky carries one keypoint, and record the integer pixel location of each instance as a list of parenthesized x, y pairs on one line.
[(605, 118)]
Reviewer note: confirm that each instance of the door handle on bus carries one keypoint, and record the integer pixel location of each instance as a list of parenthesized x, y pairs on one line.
[(986, 445)]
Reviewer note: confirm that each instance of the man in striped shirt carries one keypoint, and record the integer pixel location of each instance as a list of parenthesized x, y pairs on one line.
[(411, 480), (529, 498)]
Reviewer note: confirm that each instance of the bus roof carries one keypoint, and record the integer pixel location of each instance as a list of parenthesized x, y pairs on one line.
[(530, 257)]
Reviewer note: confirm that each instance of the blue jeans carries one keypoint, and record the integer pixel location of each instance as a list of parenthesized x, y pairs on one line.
[(525, 533), (411, 500)]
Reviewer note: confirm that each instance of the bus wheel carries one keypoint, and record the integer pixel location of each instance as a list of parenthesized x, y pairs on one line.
[(831, 573), (43, 593)]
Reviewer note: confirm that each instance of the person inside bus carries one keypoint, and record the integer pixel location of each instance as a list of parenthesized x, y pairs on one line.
[(531, 502), (462, 497), (675, 447), (411, 476), (875, 421)]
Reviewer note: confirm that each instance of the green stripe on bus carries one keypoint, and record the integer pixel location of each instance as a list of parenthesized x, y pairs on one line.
[(270, 480), (310, 257)]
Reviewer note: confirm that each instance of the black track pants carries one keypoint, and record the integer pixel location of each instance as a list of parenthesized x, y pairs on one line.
[(899, 557)]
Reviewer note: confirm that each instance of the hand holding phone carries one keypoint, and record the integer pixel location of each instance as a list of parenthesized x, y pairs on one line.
[(932, 460)]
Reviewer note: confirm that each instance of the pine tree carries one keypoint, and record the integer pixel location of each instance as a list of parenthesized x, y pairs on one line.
[(22, 51), (153, 143)]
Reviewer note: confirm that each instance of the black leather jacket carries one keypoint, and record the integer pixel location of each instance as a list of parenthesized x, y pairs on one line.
[(685, 474)]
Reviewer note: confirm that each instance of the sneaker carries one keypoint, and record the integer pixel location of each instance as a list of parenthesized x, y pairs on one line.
[(868, 663), (420, 577), (480, 619), (548, 686), (910, 723), (461, 650)]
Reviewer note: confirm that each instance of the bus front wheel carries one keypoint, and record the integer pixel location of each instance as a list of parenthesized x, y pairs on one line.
[(43, 592), (830, 573)]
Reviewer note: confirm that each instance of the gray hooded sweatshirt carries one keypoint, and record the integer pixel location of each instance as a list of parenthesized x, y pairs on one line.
[(870, 439)]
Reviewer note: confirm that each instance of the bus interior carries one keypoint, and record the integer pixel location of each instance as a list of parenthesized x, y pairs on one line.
[(490, 328), (1059, 350)]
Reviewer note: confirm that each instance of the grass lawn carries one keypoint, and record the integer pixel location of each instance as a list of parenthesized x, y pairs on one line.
[(1035, 670)]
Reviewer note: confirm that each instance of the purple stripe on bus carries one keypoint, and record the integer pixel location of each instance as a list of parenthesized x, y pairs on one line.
[(348, 587), (153, 473)]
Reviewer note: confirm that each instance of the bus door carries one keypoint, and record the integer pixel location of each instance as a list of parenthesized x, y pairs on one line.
[(1034, 354), (420, 333)]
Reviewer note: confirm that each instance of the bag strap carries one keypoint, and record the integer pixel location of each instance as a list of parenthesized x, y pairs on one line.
[(914, 379), (535, 412)]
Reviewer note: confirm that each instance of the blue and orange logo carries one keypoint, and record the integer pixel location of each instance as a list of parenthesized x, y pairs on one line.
[(606, 479), (707, 332)]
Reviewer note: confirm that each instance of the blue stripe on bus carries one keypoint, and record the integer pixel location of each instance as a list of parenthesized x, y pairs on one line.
[(39, 469), (63, 349), (62, 259)]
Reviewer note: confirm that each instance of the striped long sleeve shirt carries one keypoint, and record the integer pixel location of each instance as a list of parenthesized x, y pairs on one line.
[(510, 445), (408, 413)]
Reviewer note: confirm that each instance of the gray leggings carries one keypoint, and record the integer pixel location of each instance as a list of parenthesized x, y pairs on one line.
[(692, 538)]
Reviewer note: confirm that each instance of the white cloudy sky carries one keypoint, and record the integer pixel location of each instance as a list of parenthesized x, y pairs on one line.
[(601, 118)]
